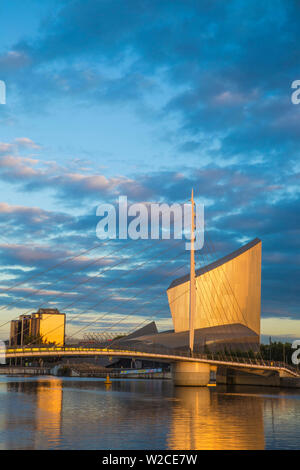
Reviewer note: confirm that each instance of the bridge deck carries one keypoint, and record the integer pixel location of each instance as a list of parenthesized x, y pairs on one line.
[(240, 363)]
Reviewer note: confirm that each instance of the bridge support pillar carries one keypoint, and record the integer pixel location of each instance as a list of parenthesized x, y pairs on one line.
[(190, 374), (230, 376)]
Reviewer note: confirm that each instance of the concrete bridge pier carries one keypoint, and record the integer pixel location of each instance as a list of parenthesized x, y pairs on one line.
[(231, 376), (190, 374)]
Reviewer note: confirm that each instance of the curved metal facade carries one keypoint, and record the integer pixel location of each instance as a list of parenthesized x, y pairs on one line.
[(228, 291)]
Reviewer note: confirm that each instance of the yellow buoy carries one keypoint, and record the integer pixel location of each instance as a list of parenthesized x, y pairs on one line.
[(107, 381)]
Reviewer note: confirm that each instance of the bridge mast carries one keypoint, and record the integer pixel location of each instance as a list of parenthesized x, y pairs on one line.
[(192, 278)]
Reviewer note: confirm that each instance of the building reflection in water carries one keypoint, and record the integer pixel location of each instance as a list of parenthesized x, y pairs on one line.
[(204, 419), (49, 411), (44, 414), (140, 414)]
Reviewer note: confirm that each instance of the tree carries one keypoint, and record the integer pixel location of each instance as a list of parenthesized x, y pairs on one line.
[(277, 351), (38, 340)]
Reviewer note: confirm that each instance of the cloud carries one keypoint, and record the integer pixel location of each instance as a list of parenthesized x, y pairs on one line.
[(229, 70), (233, 137), (71, 188), (32, 174), (27, 143)]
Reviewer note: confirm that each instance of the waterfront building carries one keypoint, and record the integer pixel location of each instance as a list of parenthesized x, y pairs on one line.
[(229, 292), (228, 306), (46, 325)]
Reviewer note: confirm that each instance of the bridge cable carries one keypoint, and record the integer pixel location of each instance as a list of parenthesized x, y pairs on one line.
[(237, 303), (52, 268), (180, 254), (212, 273), (127, 300), (36, 291), (134, 311), (250, 346), (80, 283)]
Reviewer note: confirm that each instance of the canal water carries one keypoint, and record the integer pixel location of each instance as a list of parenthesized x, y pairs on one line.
[(78, 413)]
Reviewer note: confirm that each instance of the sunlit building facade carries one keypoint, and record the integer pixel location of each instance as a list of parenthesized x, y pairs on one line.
[(228, 305), (46, 325), (228, 292)]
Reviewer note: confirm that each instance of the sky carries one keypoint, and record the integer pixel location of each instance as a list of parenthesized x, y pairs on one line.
[(146, 99)]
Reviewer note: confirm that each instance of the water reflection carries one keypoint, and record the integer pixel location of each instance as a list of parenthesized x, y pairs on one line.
[(71, 413), (36, 405), (203, 419), (49, 399)]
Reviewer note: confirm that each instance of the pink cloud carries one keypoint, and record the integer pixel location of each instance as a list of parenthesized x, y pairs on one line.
[(25, 142)]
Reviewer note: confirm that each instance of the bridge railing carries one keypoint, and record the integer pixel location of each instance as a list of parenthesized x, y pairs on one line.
[(158, 349), (218, 356)]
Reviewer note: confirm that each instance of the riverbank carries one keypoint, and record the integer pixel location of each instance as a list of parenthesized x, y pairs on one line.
[(74, 371), (19, 370)]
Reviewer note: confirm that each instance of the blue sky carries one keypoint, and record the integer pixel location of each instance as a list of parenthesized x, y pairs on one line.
[(147, 99)]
